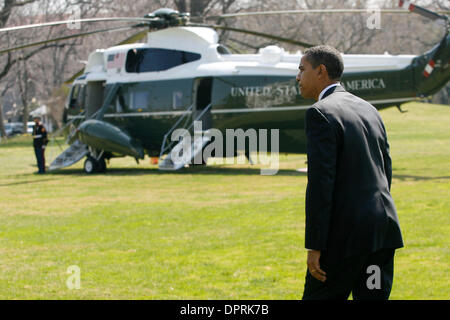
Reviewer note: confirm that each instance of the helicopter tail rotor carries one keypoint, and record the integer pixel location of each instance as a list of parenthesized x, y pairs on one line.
[(436, 57)]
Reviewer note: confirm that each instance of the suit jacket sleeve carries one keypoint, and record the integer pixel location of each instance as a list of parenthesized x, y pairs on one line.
[(387, 160), (322, 153)]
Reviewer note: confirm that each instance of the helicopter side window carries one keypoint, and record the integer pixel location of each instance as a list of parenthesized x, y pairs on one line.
[(139, 100), (116, 105), (77, 96), (74, 95), (156, 59), (132, 61), (120, 102)]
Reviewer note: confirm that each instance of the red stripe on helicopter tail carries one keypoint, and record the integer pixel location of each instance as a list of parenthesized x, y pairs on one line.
[(428, 68), (406, 5)]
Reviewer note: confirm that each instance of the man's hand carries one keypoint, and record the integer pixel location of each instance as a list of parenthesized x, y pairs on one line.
[(314, 266)]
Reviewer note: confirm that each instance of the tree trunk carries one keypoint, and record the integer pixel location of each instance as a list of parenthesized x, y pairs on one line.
[(197, 7), (181, 5), (2, 125)]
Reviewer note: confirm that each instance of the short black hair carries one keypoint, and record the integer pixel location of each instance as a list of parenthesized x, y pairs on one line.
[(329, 57)]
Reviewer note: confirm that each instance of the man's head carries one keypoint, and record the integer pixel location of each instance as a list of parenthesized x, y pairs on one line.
[(319, 67), (36, 119)]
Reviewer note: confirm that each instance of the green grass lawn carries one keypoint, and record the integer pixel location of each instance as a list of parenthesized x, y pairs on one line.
[(216, 232)]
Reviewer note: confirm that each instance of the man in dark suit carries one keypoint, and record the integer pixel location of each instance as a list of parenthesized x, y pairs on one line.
[(352, 228)]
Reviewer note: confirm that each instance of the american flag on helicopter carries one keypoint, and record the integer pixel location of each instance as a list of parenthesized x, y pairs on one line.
[(115, 60)]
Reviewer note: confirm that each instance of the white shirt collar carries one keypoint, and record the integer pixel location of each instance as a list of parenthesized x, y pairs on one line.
[(325, 90)]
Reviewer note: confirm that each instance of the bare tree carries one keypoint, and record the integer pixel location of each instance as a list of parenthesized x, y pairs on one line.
[(9, 60), (46, 72), (26, 89), (7, 86), (5, 13)]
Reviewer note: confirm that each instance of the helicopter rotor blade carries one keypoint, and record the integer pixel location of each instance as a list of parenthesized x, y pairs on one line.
[(422, 11), (38, 43), (135, 37), (256, 33), (280, 12), (55, 23), (76, 75)]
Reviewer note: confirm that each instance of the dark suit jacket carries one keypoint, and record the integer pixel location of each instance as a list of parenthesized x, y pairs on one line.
[(349, 208)]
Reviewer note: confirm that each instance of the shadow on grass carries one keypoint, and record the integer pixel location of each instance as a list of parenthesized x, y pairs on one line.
[(405, 177), (213, 170), (28, 181)]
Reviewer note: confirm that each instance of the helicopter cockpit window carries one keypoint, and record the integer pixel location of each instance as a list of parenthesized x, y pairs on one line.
[(155, 59)]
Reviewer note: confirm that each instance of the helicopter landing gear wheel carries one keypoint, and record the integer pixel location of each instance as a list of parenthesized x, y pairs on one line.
[(101, 165), (91, 165)]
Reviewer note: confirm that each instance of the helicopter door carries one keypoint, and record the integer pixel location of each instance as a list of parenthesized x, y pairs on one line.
[(202, 94), (94, 96)]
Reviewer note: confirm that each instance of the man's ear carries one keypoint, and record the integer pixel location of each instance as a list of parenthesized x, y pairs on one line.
[(323, 70)]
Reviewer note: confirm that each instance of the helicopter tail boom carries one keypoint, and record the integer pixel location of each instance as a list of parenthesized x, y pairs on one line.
[(432, 69)]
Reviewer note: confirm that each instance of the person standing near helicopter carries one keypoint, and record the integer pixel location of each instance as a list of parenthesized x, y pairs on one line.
[(39, 143), (352, 228)]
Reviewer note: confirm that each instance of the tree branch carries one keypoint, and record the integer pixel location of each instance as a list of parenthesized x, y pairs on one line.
[(22, 3)]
